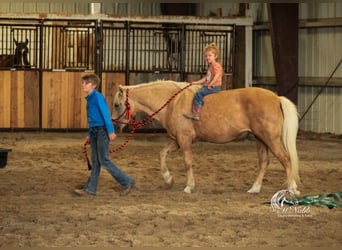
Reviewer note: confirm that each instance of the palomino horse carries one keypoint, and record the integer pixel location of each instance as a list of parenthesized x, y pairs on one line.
[(226, 115)]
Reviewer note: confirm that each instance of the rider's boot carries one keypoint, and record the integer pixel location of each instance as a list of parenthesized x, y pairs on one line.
[(195, 112)]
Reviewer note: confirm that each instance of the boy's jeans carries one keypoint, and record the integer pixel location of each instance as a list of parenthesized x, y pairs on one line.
[(198, 99), (99, 142)]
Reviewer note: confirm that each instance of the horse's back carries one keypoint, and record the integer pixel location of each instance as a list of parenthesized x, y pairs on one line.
[(253, 94), (229, 114), (244, 100)]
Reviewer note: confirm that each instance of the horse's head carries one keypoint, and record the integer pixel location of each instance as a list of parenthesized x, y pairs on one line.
[(21, 53), (152, 98), (121, 113)]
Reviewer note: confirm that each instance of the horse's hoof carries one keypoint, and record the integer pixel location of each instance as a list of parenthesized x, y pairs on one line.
[(187, 190), (170, 181), (254, 190), (251, 191), (296, 192)]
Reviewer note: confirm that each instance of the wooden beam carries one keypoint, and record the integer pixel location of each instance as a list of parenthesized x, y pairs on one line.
[(284, 36), (307, 23)]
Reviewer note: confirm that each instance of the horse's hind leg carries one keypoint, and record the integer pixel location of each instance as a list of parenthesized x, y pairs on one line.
[(263, 156), (170, 147), (279, 151)]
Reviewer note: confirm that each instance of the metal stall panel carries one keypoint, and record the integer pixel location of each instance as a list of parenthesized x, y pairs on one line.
[(19, 61), (164, 47), (141, 47), (19, 44), (68, 45), (197, 37), (114, 47), (68, 51)]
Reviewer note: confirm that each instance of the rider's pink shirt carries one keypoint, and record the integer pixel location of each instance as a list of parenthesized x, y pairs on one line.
[(214, 69)]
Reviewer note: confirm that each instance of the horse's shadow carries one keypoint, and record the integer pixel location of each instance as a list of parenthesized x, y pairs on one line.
[(19, 59)]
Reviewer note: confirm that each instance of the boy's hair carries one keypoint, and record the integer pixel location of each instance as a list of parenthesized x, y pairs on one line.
[(92, 78), (212, 48)]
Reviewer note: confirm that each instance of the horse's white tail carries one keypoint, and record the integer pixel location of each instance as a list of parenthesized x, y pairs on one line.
[(289, 133)]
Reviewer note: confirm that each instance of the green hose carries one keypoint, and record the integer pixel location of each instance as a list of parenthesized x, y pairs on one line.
[(333, 200)]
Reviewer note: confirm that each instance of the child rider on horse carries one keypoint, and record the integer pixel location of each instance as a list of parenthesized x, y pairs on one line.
[(211, 82), (101, 131)]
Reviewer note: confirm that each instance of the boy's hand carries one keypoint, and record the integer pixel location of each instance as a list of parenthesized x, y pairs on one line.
[(112, 136), (87, 140)]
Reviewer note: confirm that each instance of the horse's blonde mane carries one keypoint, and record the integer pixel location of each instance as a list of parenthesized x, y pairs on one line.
[(177, 84)]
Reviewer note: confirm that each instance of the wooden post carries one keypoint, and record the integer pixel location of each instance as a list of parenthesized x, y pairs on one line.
[(283, 19)]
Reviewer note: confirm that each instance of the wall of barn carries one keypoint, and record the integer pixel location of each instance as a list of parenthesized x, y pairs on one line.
[(320, 52), (62, 105)]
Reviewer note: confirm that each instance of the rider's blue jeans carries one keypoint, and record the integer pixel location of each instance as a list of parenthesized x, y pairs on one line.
[(99, 142), (198, 98)]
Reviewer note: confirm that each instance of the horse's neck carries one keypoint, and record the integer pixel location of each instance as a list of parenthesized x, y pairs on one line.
[(6, 60), (151, 98), (20, 56)]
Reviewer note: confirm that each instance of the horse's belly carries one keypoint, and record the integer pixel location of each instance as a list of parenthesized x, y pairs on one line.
[(222, 136)]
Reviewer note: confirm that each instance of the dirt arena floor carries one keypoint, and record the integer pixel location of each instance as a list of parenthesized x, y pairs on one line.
[(38, 207)]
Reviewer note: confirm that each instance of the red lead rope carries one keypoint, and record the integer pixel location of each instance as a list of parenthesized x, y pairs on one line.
[(133, 123)]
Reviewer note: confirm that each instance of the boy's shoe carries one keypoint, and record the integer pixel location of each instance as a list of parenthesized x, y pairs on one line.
[(193, 116), (82, 192), (128, 189)]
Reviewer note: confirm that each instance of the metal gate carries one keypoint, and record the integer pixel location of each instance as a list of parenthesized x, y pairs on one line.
[(164, 47)]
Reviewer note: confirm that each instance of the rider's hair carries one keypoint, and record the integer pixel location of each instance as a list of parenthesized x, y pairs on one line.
[(213, 49)]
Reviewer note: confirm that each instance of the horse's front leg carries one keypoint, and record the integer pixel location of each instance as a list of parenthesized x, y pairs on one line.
[(190, 183), (170, 147), (185, 145)]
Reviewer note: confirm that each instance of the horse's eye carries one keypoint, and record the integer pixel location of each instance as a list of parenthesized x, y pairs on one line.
[(116, 105)]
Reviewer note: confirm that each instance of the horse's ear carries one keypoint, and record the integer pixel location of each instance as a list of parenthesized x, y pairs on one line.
[(15, 41), (26, 42), (121, 90)]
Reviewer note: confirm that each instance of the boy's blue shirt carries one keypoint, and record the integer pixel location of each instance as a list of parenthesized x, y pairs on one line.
[(98, 112)]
